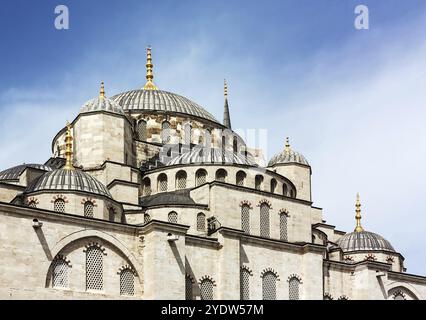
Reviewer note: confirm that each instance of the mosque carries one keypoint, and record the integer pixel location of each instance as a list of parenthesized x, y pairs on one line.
[(148, 196)]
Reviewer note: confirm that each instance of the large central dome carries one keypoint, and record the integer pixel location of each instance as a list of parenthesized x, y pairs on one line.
[(161, 101)]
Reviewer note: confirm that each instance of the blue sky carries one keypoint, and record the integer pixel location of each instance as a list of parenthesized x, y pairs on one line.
[(352, 101)]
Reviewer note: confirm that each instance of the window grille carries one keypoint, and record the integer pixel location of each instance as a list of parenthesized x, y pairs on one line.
[(94, 269), (264, 220), (60, 273), (273, 185), (88, 209), (258, 181), (206, 289), (201, 222), (200, 177), (293, 289), (240, 178), (165, 132), (142, 130), (188, 288), (245, 284), (283, 227), (127, 283), (147, 218), (146, 187), (269, 286), (181, 180), (32, 204), (59, 205), (173, 217), (162, 182), (221, 175), (245, 218)]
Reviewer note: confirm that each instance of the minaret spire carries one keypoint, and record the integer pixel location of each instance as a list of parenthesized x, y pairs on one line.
[(358, 227), (68, 150), (287, 145), (149, 85), (102, 91), (226, 116)]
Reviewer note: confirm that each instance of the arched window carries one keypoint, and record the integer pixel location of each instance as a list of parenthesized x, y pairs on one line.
[(207, 138), (245, 218), (206, 289), (111, 213), (258, 182), (173, 217), (292, 193), (146, 218), (283, 226), (235, 144), (200, 177), (273, 185), (59, 205), (285, 190), (127, 282), (181, 179), (293, 288), (32, 204), (146, 186), (201, 222), (188, 133), (59, 273), (141, 132), (189, 292), (88, 209), (269, 286), (244, 284), (240, 178), (221, 175), (94, 268), (264, 220), (162, 182), (165, 132), (223, 142)]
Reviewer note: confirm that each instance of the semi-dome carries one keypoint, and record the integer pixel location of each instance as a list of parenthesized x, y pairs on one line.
[(14, 172), (102, 103), (212, 156), (68, 180), (362, 241), (161, 101), (288, 156)]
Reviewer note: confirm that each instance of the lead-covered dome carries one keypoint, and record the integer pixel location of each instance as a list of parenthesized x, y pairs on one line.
[(212, 156), (288, 156), (14, 172), (102, 103), (363, 241), (68, 180), (161, 101)]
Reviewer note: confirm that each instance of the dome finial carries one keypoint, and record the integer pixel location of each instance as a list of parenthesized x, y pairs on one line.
[(358, 227), (102, 91), (68, 150), (149, 85), (287, 145)]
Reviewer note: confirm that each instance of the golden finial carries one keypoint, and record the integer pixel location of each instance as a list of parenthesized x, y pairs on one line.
[(287, 145), (68, 150), (102, 91), (149, 85), (225, 88), (358, 227)]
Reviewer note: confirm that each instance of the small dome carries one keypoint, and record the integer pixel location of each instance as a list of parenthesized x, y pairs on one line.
[(68, 180), (102, 103), (212, 156), (14, 172), (288, 156), (364, 240)]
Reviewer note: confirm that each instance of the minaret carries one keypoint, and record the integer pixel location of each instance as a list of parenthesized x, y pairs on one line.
[(226, 117), (68, 150), (358, 227), (149, 85)]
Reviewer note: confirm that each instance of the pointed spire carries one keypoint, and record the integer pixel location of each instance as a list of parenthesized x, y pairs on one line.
[(226, 116), (287, 145), (68, 150), (102, 91), (149, 85), (358, 227)]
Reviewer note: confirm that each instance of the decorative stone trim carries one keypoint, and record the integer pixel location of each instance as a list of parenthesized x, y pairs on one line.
[(397, 293), (63, 258), (89, 199), (247, 203), (328, 296), (348, 259), (283, 211), (265, 201), (250, 271), (294, 276), (94, 244), (206, 277), (270, 270), (57, 197), (370, 257), (127, 267), (188, 276), (32, 200), (343, 297), (390, 259)]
